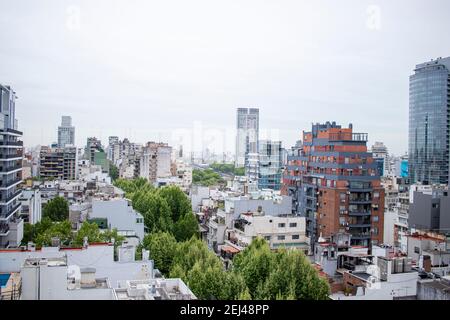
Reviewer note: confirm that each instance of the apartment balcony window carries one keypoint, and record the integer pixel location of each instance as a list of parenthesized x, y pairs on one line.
[(281, 237), (281, 225)]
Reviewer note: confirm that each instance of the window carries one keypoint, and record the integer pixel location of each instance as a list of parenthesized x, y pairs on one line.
[(293, 224), (281, 225), (281, 237), (376, 194), (295, 237), (267, 238), (375, 218), (139, 220), (417, 250), (375, 231)]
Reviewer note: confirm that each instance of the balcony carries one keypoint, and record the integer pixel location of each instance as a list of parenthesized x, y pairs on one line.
[(360, 225), (11, 197), (360, 201), (11, 156), (8, 184), (11, 143), (7, 169), (360, 236), (358, 213), (5, 214), (4, 229), (345, 136)]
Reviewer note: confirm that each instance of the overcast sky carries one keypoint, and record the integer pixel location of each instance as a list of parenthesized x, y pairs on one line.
[(157, 70)]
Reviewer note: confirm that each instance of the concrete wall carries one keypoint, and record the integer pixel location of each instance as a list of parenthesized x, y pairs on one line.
[(429, 290), (421, 211)]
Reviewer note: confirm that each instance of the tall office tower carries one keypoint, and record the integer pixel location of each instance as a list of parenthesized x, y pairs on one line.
[(334, 183), (58, 163), (247, 134), (270, 163), (66, 132), (11, 155), (381, 157), (112, 141), (155, 161), (429, 116)]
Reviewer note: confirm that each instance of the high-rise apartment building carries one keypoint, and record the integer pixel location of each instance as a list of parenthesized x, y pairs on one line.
[(11, 156), (429, 116), (155, 161), (334, 183), (112, 142), (58, 163), (247, 134), (270, 163), (66, 132)]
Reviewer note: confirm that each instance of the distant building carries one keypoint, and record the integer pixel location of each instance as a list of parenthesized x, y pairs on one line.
[(11, 156), (155, 161), (270, 163), (381, 158), (92, 145), (66, 132), (247, 121), (58, 163), (429, 207), (429, 98)]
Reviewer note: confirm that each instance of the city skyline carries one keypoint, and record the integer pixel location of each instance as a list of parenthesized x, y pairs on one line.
[(189, 71)]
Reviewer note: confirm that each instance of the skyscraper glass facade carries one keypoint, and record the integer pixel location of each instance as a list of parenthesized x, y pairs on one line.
[(429, 122)]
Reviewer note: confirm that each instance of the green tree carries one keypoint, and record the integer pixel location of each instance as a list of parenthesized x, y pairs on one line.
[(162, 247), (61, 230), (113, 171), (186, 227), (57, 209), (177, 200), (89, 230)]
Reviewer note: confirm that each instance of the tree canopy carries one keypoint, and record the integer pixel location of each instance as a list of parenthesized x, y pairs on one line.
[(56, 209), (206, 177)]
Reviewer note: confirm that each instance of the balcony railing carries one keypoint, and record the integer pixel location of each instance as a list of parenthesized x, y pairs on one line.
[(7, 184), (4, 228), (11, 156), (11, 143), (10, 168), (344, 136), (7, 199), (5, 213)]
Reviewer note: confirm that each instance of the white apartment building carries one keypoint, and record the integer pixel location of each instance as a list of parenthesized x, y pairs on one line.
[(120, 215), (31, 210), (281, 231)]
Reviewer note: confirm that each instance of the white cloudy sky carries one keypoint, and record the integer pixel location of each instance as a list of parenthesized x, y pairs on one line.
[(154, 70)]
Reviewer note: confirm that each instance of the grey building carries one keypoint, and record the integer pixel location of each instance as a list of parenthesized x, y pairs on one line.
[(11, 155), (430, 211), (247, 120), (429, 105), (66, 132)]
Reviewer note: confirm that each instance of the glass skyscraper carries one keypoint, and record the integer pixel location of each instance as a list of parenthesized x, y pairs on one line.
[(429, 118)]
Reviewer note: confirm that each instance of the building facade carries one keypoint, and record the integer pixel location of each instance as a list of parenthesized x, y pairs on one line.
[(334, 183), (270, 163), (11, 156), (429, 107), (66, 132), (155, 161), (58, 163), (247, 120)]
